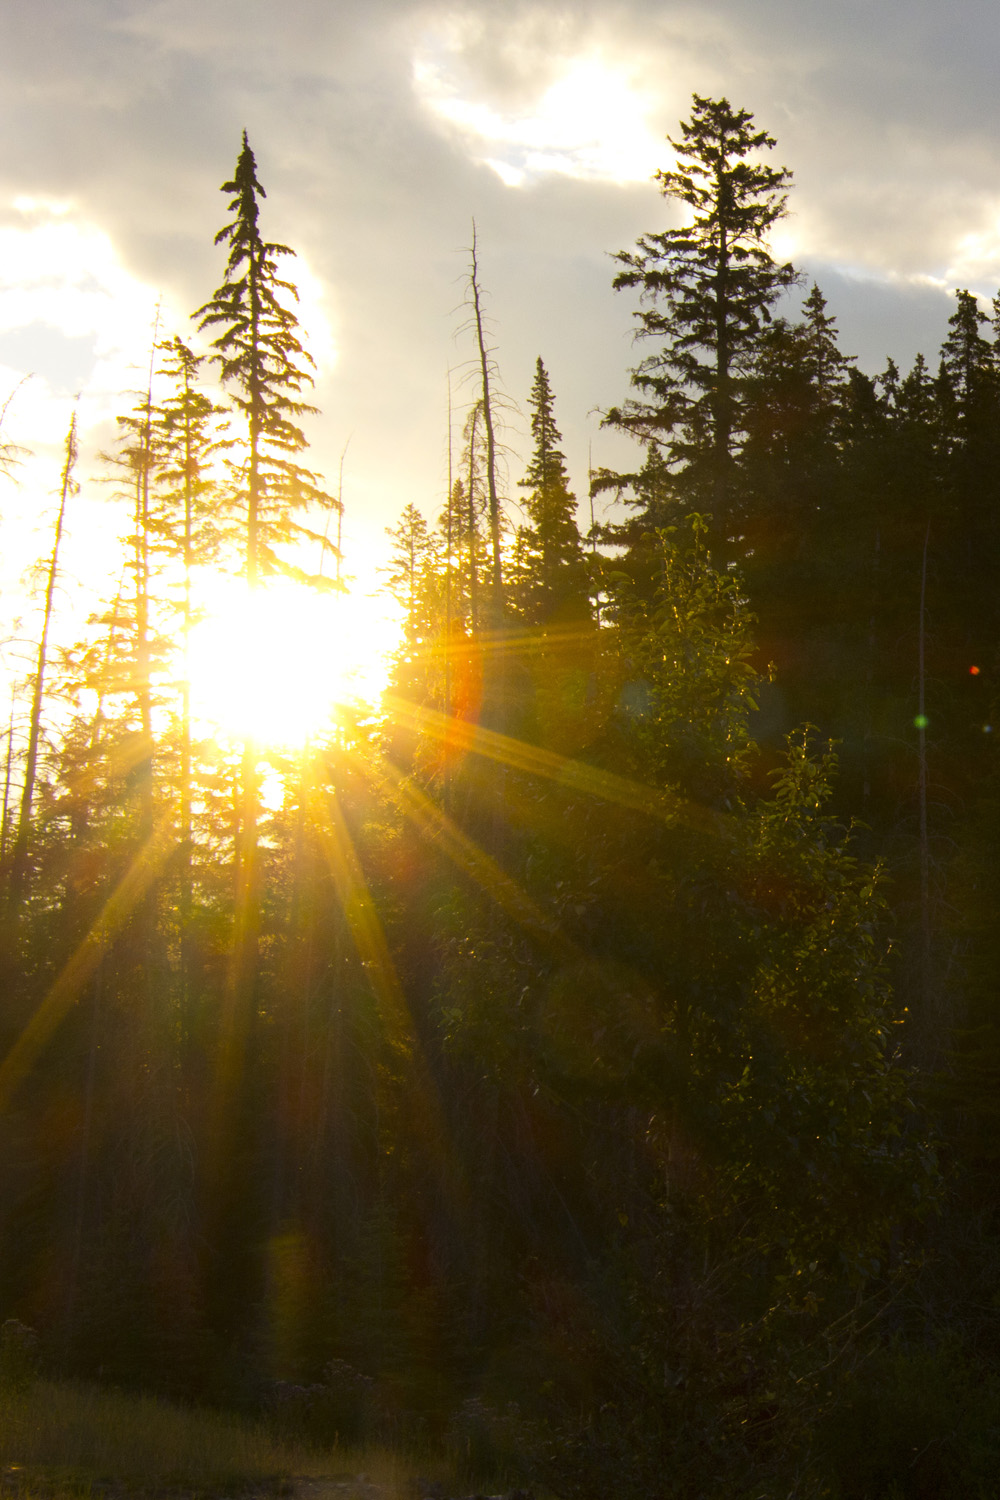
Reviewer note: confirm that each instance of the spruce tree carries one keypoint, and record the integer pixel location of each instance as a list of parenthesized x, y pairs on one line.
[(417, 579), (653, 501), (790, 470), (412, 556), (262, 360), (553, 577), (970, 389), (707, 290), (191, 531)]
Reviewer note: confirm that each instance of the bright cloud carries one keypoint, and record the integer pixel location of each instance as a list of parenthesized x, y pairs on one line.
[(59, 272), (590, 123), (975, 260)]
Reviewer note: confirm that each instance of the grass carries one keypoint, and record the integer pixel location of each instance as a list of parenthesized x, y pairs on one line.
[(80, 1439)]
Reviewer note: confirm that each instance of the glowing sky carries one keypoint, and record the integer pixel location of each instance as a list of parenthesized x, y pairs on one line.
[(382, 127)]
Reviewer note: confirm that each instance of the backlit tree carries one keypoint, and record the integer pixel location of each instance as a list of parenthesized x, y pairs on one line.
[(707, 288)]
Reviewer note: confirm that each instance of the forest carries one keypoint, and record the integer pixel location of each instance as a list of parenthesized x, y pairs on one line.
[(585, 1062)]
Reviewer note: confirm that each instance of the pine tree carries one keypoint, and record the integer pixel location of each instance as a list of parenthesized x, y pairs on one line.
[(553, 576), (412, 555), (970, 387), (135, 460), (191, 531), (262, 359), (708, 289), (653, 501), (417, 579), (790, 483)]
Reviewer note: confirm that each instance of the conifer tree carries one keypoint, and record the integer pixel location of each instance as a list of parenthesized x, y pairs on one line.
[(136, 460), (652, 497), (416, 578), (970, 389), (191, 530), (262, 360), (790, 458), (707, 290), (412, 555), (264, 364), (553, 577)]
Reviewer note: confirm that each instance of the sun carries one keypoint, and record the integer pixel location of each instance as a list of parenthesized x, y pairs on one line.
[(273, 664)]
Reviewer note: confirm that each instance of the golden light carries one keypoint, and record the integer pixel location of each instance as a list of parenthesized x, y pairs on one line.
[(273, 664)]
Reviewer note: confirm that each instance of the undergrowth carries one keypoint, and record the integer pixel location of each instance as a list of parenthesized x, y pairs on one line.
[(81, 1438)]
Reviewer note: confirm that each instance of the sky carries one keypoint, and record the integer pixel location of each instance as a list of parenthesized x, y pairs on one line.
[(382, 129)]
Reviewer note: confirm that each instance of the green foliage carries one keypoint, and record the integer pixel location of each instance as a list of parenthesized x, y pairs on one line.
[(819, 1111), (688, 684)]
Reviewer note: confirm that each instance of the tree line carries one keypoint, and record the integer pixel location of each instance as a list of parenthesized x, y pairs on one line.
[(588, 1065)]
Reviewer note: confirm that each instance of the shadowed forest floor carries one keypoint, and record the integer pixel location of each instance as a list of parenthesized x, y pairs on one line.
[(22, 1484), (61, 1439)]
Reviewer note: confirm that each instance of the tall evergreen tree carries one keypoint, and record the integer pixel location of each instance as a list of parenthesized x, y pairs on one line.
[(417, 579), (191, 531), (708, 288), (970, 389), (264, 363), (262, 360), (553, 581)]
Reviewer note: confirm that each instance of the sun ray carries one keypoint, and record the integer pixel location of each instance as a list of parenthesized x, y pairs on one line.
[(460, 735), (83, 963), (473, 861), (428, 1117), (121, 760), (362, 919)]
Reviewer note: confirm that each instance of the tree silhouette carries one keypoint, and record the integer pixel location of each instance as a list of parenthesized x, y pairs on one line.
[(707, 291), (553, 580), (262, 360), (19, 858)]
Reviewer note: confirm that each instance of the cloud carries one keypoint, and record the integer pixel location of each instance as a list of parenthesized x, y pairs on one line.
[(589, 121), (382, 128)]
